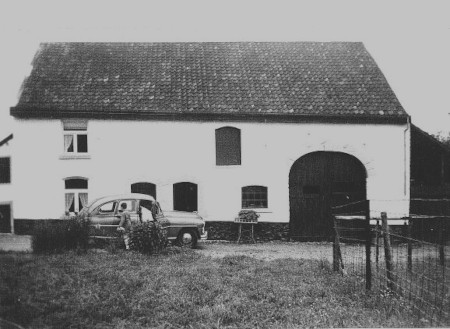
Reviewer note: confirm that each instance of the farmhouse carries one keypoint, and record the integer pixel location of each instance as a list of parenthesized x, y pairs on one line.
[(286, 128)]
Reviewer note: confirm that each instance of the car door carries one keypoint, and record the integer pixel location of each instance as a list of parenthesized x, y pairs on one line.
[(152, 211), (104, 220), (105, 214), (145, 210)]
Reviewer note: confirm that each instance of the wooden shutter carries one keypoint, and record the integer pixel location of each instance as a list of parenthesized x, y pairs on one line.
[(228, 146)]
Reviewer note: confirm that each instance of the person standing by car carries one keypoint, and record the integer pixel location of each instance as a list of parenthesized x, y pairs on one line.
[(125, 224)]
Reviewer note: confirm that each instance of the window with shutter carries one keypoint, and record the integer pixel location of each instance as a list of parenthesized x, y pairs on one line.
[(228, 146)]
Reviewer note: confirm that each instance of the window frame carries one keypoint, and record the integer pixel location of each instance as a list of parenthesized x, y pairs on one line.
[(264, 200), (76, 193), (75, 134)]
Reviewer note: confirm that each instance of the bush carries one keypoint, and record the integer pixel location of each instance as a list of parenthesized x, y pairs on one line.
[(148, 237), (56, 236)]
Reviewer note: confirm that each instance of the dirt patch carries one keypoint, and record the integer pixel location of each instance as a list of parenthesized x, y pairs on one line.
[(269, 250)]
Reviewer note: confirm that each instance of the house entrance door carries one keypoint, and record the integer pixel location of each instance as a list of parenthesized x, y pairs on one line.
[(318, 181), (185, 196), (5, 218)]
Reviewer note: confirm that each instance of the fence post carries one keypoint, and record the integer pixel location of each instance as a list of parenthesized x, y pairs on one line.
[(441, 243), (338, 264), (335, 243), (368, 246), (388, 252), (377, 241), (410, 223)]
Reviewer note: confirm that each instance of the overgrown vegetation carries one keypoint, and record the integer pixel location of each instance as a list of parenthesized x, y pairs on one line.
[(180, 288), (148, 237), (57, 236)]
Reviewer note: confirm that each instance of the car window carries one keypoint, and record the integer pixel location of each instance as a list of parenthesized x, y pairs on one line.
[(107, 208), (131, 205), (147, 204), (157, 209)]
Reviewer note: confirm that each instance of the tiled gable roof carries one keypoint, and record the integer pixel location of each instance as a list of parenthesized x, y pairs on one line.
[(282, 79)]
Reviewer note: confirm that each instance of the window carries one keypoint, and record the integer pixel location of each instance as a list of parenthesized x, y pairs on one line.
[(107, 208), (75, 137), (185, 196), (228, 146), (5, 171), (76, 196), (254, 197), (131, 205)]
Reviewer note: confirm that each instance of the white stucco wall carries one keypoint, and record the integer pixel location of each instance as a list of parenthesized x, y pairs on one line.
[(164, 153)]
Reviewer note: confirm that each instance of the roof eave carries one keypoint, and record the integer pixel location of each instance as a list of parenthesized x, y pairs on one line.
[(49, 113)]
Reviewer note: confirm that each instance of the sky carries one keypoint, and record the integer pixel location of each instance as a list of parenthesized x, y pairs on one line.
[(409, 40)]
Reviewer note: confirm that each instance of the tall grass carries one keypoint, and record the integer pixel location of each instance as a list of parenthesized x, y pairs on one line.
[(180, 288)]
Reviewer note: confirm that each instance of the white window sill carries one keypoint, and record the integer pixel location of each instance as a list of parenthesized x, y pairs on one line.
[(259, 210), (74, 156), (228, 166)]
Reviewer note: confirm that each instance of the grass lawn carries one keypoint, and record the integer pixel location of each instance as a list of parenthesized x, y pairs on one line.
[(182, 288)]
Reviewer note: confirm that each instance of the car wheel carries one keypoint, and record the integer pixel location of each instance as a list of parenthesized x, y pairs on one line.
[(187, 239)]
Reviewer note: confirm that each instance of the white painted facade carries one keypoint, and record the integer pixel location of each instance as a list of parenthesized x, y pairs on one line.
[(168, 152)]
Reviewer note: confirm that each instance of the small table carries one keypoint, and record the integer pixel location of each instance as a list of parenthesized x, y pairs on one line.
[(245, 230)]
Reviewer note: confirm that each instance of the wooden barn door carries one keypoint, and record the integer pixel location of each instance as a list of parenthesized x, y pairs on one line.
[(318, 181)]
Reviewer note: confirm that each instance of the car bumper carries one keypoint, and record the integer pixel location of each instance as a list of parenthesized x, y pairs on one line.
[(204, 236)]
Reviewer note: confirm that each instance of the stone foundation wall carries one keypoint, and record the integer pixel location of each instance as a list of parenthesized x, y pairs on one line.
[(262, 231)]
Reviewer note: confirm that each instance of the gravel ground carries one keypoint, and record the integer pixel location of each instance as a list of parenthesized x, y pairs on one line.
[(268, 250)]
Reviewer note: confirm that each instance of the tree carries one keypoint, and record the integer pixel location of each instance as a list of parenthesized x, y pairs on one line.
[(443, 137)]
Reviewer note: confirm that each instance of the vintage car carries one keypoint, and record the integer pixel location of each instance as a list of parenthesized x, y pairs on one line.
[(183, 228)]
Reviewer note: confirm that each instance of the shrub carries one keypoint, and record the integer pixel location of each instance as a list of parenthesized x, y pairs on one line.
[(148, 237), (56, 236)]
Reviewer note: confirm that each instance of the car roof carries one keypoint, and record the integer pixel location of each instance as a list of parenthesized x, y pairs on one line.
[(109, 198)]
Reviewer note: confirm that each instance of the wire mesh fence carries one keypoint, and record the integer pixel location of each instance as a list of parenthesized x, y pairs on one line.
[(408, 260)]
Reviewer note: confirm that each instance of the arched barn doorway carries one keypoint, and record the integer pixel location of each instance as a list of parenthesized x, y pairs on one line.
[(318, 181)]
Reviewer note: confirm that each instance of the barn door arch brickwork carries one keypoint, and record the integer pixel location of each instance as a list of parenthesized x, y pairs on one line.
[(318, 181)]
